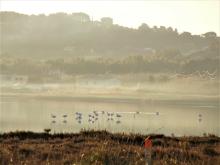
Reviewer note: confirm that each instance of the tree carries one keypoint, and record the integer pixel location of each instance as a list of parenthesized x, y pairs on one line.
[(186, 35), (81, 17), (107, 21), (143, 27), (210, 35), (170, 29)]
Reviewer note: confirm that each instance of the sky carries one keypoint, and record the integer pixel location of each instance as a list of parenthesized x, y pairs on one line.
[(195, 16)]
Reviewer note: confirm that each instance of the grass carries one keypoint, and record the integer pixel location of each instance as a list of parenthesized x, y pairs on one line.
[(102, 147)]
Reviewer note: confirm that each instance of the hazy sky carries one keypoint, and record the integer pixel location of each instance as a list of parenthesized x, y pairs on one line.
[(195, 16)]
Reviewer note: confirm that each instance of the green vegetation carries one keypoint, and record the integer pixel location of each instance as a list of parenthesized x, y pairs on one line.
[(127, 65), (68, 35), (43, 46)]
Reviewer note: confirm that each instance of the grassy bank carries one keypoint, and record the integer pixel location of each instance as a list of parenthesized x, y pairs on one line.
[(101, 147)]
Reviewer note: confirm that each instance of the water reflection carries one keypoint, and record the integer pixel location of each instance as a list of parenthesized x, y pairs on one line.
[(72, 116)]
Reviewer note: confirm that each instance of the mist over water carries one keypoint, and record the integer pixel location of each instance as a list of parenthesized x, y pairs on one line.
[(145, 80), (185, 117)]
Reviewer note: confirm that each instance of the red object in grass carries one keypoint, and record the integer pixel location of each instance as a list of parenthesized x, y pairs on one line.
[(148, 142)]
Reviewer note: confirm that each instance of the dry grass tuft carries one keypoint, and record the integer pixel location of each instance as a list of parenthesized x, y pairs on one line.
[(102, 147)]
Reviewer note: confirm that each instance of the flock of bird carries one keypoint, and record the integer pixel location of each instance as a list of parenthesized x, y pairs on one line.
[(102, 116), (204, 75), (99, 117), (92, 117)]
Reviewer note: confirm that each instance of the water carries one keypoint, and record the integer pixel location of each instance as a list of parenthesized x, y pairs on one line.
[(183, 117)]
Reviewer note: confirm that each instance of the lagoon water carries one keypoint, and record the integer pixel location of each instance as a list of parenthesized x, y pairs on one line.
[(182, 117)]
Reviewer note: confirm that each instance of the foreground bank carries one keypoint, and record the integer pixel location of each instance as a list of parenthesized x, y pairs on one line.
[(101, 147)]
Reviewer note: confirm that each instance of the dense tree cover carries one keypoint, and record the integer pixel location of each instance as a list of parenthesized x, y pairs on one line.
[(61, 35), (41, 46), (127, 65)]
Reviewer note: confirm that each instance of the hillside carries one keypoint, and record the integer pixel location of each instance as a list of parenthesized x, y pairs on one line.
[(69, 35)]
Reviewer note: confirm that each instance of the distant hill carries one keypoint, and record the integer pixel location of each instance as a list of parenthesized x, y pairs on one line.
[(207, 52), (69, 35)]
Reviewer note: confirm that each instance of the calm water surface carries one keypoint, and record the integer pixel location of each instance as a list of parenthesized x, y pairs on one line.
[(167, 117)]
